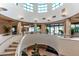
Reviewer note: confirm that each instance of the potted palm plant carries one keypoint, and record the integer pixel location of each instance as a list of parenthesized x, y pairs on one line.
[(61, 31), (6, 30), (36, 50), (72, 31)]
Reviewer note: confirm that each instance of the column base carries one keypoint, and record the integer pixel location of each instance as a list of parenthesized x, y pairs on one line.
[(67, 36)]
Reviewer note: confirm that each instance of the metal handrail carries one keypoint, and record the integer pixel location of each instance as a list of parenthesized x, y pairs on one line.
[(6, 40), (19, 46)]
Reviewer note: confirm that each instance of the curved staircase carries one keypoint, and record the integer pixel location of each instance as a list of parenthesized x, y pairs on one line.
[(11, 50)]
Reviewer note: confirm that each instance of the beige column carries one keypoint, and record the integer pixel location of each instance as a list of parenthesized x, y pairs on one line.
[(43, 28), (67, 28), (19, 28)]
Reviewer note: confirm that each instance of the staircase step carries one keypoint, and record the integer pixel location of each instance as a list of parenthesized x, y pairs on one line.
[(15, 43), (8, 54), (10, 49)]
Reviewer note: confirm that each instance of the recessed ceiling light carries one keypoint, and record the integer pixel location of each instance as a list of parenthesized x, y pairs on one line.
[(36, 20), (63, 15), (3, 9), (43, 18), (48, 19), (21, 18), (54, 16)]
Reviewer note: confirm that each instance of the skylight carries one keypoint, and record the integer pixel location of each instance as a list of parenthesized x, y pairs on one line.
[(28, 7), (56, 5), (42, 8)]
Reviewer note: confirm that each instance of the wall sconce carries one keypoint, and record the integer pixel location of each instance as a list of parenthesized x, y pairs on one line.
[(64, 12)]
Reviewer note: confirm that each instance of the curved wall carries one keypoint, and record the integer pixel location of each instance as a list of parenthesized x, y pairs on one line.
[(31, 39), (64, 46)]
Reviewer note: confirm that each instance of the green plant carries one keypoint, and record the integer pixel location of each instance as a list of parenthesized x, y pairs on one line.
[(24, 53), (61, 31), (72, 31), (36, 50), (6, 29)]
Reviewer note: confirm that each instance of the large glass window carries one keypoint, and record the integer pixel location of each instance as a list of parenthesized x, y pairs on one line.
[(56, 5), (57, 29), (31, 29), (52, 30), (42, 8), (28, 7), (75, 27), (34, 28)]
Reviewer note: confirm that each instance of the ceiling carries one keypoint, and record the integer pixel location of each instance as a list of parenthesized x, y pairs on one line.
[(73, 19), (21, 14), (17, 12)]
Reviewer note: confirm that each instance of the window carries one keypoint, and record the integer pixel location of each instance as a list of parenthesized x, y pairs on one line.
[(28, 7), (42, 8), (56, 5)]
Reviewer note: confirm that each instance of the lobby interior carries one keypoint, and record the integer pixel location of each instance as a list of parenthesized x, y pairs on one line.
[(39, 29)]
